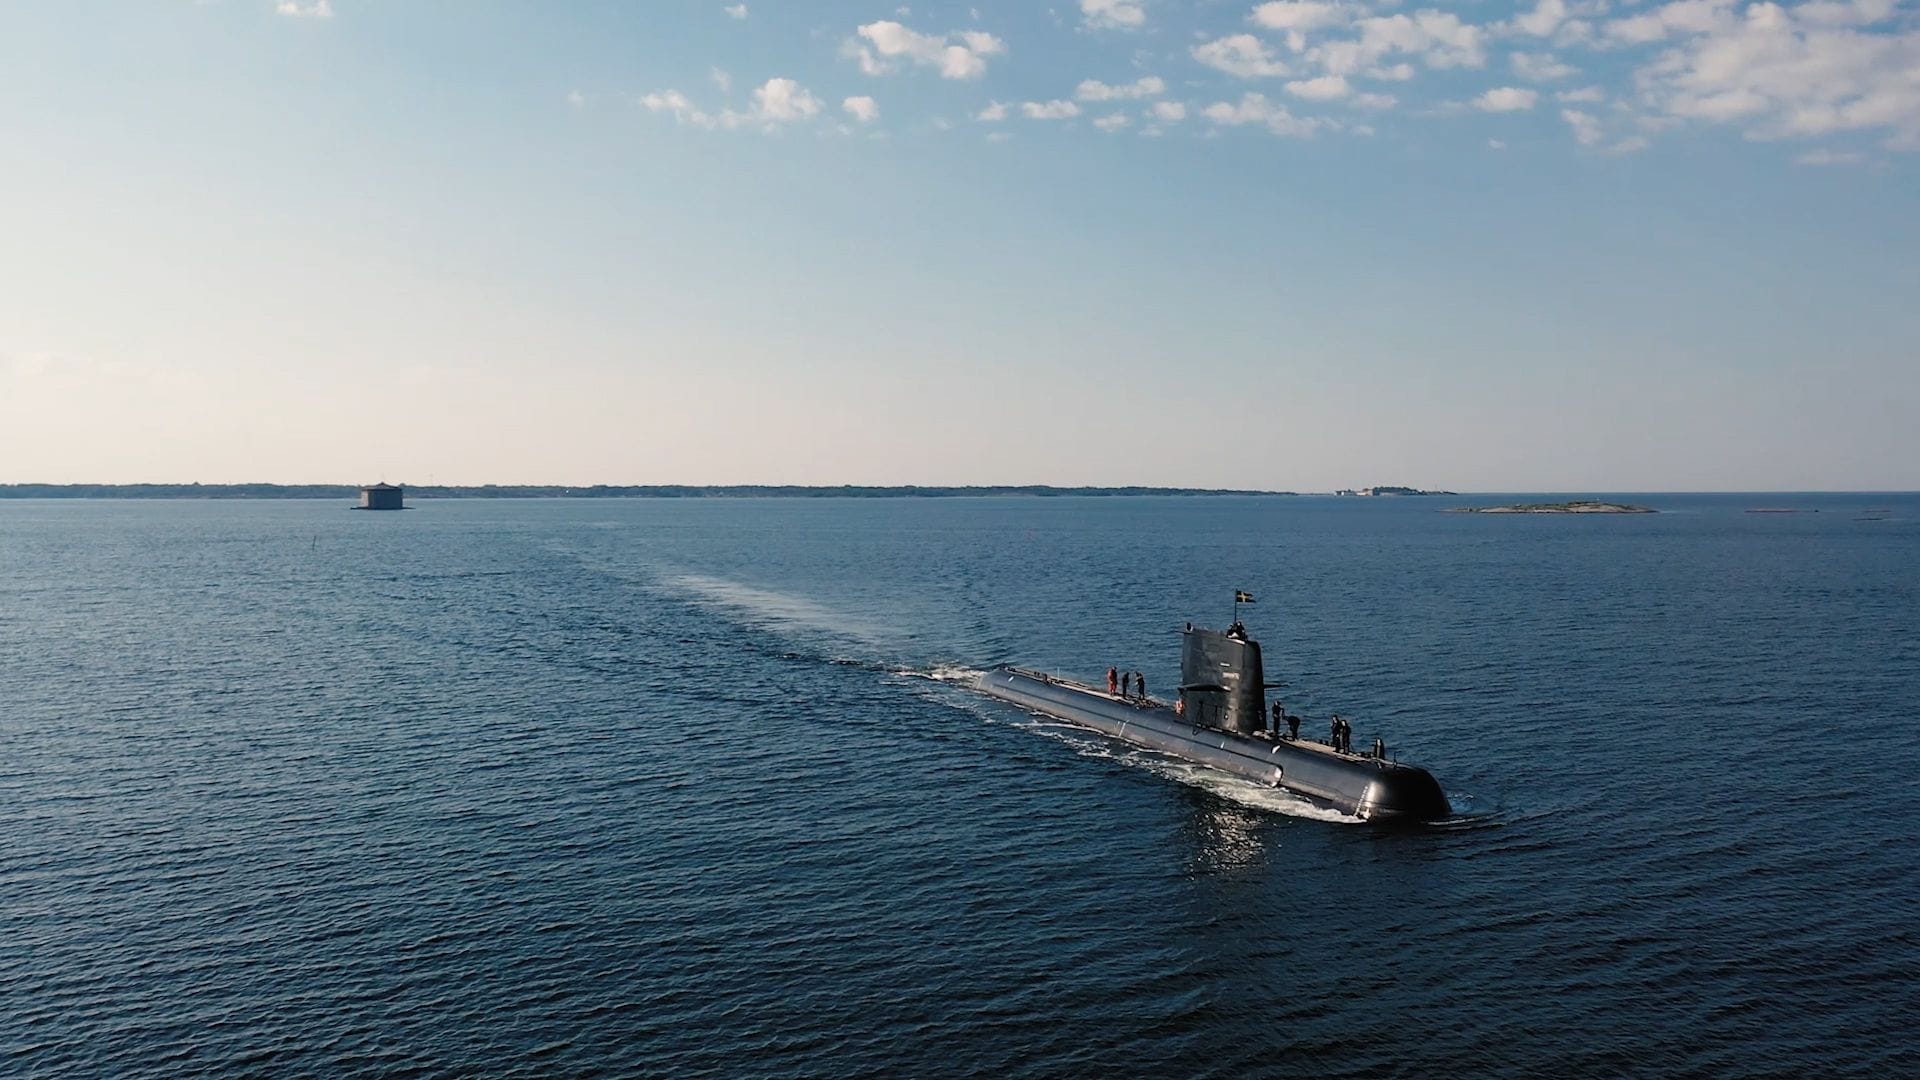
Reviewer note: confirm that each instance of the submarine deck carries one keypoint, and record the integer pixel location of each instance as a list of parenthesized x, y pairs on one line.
[(1149, 703)]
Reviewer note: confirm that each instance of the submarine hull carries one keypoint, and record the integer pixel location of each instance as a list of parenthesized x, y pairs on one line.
[(1363, 786)]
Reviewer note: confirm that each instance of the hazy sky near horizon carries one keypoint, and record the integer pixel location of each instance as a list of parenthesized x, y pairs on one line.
[(1579, 245)]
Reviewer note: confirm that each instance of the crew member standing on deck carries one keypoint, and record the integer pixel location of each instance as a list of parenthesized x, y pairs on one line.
[(1140, 686), (1279, 714), (1333, 732), (1293, 726), (1113, 680)]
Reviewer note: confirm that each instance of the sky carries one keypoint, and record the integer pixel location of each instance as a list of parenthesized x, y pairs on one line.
[(1559, 245)]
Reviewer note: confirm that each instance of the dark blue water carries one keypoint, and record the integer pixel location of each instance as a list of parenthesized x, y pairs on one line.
[(696, 789)]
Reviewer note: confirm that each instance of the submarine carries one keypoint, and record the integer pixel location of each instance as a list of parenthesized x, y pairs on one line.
[(1220, 720)]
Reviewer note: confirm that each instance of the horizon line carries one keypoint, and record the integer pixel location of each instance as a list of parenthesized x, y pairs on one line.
[(11, 488)]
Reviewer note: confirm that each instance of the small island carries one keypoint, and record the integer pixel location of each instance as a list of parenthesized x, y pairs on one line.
[(1389, 489), (1577, 506)]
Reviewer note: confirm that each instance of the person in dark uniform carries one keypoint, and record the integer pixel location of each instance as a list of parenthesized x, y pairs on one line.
[(1346, 736), (1333, 733), (1140, 685), (1293, 726), (1279, 714)]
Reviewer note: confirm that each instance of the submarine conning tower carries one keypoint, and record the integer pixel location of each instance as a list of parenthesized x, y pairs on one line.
[(1222, 680)]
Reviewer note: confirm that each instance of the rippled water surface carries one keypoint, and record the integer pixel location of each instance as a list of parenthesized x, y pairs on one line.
[(686, 788)]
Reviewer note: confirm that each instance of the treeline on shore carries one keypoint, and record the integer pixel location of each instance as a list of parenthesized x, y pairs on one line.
[(597, 491)]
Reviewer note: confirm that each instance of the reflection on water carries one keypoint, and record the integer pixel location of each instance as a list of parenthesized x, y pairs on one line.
[(1226, 837)]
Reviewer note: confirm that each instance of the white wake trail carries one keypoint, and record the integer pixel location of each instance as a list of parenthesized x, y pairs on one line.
[(770, 607)]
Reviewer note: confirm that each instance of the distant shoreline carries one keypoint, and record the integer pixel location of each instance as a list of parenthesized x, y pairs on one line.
[(350, 492)]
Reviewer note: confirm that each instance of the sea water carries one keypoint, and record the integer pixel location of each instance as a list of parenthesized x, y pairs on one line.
[(698, 788)]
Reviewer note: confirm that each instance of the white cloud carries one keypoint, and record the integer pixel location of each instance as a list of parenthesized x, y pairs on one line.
[(1857, 13), (1256, 109), (1240, 54), (782, 100), (312, 9), (1564, 22), (1786, 72), (1830, 157), (1095, 90), (577, 99), (1324, 88), (983, 43), (1679, 17), (720, 79), (1049, 110), (1577, 31), (1439, 38), (677, 104), (1496, 144), (1586, 128), (1301, 15), (960, 55), (736, 11), (776, 101), (1543, 20), (1540, 67), (1106, 14), (1506, 99), (666, 101), (1820, 70)]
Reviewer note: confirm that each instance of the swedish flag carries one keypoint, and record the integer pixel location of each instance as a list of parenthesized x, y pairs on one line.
[(1242, 597)]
